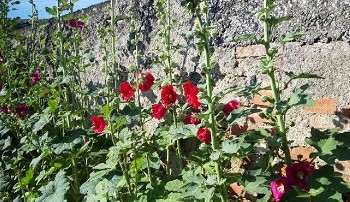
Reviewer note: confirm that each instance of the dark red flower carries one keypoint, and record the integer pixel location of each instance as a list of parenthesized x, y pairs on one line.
[(148, 81), (36, 76), (126, 90), (230, 106), (0, 87), (5, 109), (296, 174), (99, 124), (158, 111), (279, 187), (75, 23), (21, 110), (191, 94), (168, 95), (189, 119), (204, 135)]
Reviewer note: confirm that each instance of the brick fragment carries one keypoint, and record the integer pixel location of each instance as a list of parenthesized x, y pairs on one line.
[(255, 118), (257, 98), (250, 51), (324, 106), (303, 152)]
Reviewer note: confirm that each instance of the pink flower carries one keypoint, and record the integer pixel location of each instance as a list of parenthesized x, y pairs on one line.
[(296, 174), (230, 106), (75, 23), (5, 109), (279, 187), (99, 124), (204, 135), (168, 95), (126, 90), (158, 111), (189, 119), (21, 110), (148, 81), (36, 76), (191, 94)]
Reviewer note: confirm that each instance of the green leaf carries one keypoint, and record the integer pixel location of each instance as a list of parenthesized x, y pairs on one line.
[(44, 119), (29, 176), (240, 113), (174, 186), (299, 98), (55, 190), (291, 37)]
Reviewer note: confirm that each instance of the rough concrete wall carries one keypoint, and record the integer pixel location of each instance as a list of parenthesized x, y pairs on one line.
[(324, 50)]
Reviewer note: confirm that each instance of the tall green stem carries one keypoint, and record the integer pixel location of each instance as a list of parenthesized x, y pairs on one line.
[(273, 83), (212, 121)]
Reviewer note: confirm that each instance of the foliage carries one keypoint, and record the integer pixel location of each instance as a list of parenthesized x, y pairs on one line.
[(63, 140)]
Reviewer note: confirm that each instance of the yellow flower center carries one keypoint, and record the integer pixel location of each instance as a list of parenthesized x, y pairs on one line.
[(280, 188)]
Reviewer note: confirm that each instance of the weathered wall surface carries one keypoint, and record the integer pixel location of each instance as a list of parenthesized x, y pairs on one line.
[(323, 50)]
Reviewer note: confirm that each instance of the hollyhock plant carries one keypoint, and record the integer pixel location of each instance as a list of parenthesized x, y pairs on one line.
[(36, 76), (189, 119), (296, 174), (279, 187), (230, 106), (5, 109), (148, 81), (21, 110), (191, 94), (168, 95), (126, 91), (158, 111), (204, 135), (74, 23), (99, 124)]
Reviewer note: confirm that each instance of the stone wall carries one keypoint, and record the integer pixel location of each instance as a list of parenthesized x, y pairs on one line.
[(324, 50)]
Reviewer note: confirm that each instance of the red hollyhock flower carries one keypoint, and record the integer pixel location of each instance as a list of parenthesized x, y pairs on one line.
[(296, 174), (279, 187), (191, 94), (21, 110), (230, 106), (168, 95), (126, 90), (158, 111), (99, 124), (5, 109), (191, 120), (204, 135), (148, 81), (74, 23), (36, 76)]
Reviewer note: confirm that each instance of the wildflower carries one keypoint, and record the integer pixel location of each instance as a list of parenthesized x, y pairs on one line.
[(279, 187), (148, 81), (158, 111), (191, 94), (5, 109), (21, 110), (126, 90), (168, 95), (296, 174), (230, 106), (189, 119), (75, 23), (36, 76), (204, 135), (99, 124)]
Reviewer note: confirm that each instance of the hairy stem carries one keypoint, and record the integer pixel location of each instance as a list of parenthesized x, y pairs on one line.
[(274, 87)]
